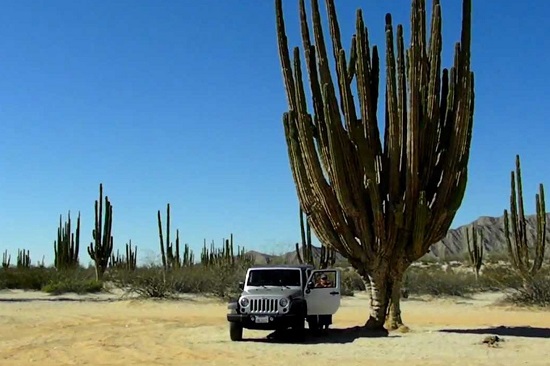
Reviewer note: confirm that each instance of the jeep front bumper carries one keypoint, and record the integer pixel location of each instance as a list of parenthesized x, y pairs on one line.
[(265, 321)]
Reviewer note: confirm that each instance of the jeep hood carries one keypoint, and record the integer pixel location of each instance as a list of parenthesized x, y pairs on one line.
[(273, 291)]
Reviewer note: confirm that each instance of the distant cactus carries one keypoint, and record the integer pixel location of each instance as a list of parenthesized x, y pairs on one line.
[(171, 259), (127, 262), (475, 249), (224, 255), (23, 259), (6, 260), (66, 247), (305, 255), (516, 238), (101, 248), (188, 256)]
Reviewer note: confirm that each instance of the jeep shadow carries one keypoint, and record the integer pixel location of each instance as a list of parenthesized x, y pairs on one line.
[(327, 336)]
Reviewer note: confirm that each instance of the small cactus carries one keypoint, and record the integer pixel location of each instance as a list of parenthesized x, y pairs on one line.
[(170, 253), (23, 259), (127, 262), (224, 255), (475, 249)]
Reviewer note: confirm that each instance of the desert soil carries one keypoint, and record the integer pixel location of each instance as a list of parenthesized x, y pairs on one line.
[(40, 329)]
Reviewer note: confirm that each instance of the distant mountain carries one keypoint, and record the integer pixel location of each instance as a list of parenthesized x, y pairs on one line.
[(492, 228), (454, 244)]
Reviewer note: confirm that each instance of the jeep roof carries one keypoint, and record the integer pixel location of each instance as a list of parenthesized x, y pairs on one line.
[(282, 266)]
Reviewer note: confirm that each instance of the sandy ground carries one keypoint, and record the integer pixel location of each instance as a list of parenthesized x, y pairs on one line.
[(40, 329)]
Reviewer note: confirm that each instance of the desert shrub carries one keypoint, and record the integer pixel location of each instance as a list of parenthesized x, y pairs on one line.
[(80, 281), (33, 278), (149, 283), (49, 280), (351, 282), (494, 278), (437, 282), (146, 282), (537, 295), (73, 285), (225, 280), (220, 281)]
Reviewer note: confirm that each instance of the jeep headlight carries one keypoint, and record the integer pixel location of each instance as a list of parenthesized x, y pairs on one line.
[(244, 302), (283, 302)]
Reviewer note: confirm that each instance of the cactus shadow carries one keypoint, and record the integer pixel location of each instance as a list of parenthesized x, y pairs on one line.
[(523, 331), (328, 336)]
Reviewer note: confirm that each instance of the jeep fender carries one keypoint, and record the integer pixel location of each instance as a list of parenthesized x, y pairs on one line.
[(233, 307)]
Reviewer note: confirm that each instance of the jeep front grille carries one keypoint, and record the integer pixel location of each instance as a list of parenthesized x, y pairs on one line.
[(264, 305)]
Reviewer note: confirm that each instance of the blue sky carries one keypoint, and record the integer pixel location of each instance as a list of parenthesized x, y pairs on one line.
[(181, 102)]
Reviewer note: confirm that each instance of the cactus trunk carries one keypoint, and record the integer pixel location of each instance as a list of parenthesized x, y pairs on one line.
[(373, 201)]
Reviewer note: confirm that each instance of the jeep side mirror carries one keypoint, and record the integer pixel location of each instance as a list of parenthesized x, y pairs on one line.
[(241, 285), (310, 285)]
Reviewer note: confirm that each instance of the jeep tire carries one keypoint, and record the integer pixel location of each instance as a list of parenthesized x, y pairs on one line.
[(313, 323), (235, 331), (299, 330)]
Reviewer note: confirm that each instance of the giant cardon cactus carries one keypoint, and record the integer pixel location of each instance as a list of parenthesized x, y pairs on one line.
[(380, 203)]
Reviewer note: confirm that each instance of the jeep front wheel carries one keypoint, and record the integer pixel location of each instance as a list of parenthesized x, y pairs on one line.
[(235, 331)]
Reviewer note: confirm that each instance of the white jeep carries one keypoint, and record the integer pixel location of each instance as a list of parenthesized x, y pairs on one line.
[(278, 297)]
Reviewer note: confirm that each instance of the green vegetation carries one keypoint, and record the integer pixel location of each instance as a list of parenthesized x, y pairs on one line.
[(221, 281)]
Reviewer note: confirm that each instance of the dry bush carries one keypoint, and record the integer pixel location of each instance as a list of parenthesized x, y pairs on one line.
[(153, 282), (538, 295), (437, 282), (497, 278)]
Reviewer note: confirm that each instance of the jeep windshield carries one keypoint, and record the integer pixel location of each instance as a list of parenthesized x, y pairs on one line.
[(274, 277)]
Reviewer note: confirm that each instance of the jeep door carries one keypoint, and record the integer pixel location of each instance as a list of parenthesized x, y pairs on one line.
[(323, 295)]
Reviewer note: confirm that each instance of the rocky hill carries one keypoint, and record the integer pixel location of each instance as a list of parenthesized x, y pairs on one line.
[(492, 228), (453, 245)]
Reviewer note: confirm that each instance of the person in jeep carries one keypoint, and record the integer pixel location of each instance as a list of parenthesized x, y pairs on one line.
[(323, 281)]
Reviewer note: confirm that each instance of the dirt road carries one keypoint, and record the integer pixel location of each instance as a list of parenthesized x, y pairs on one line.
[(37, 331)]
